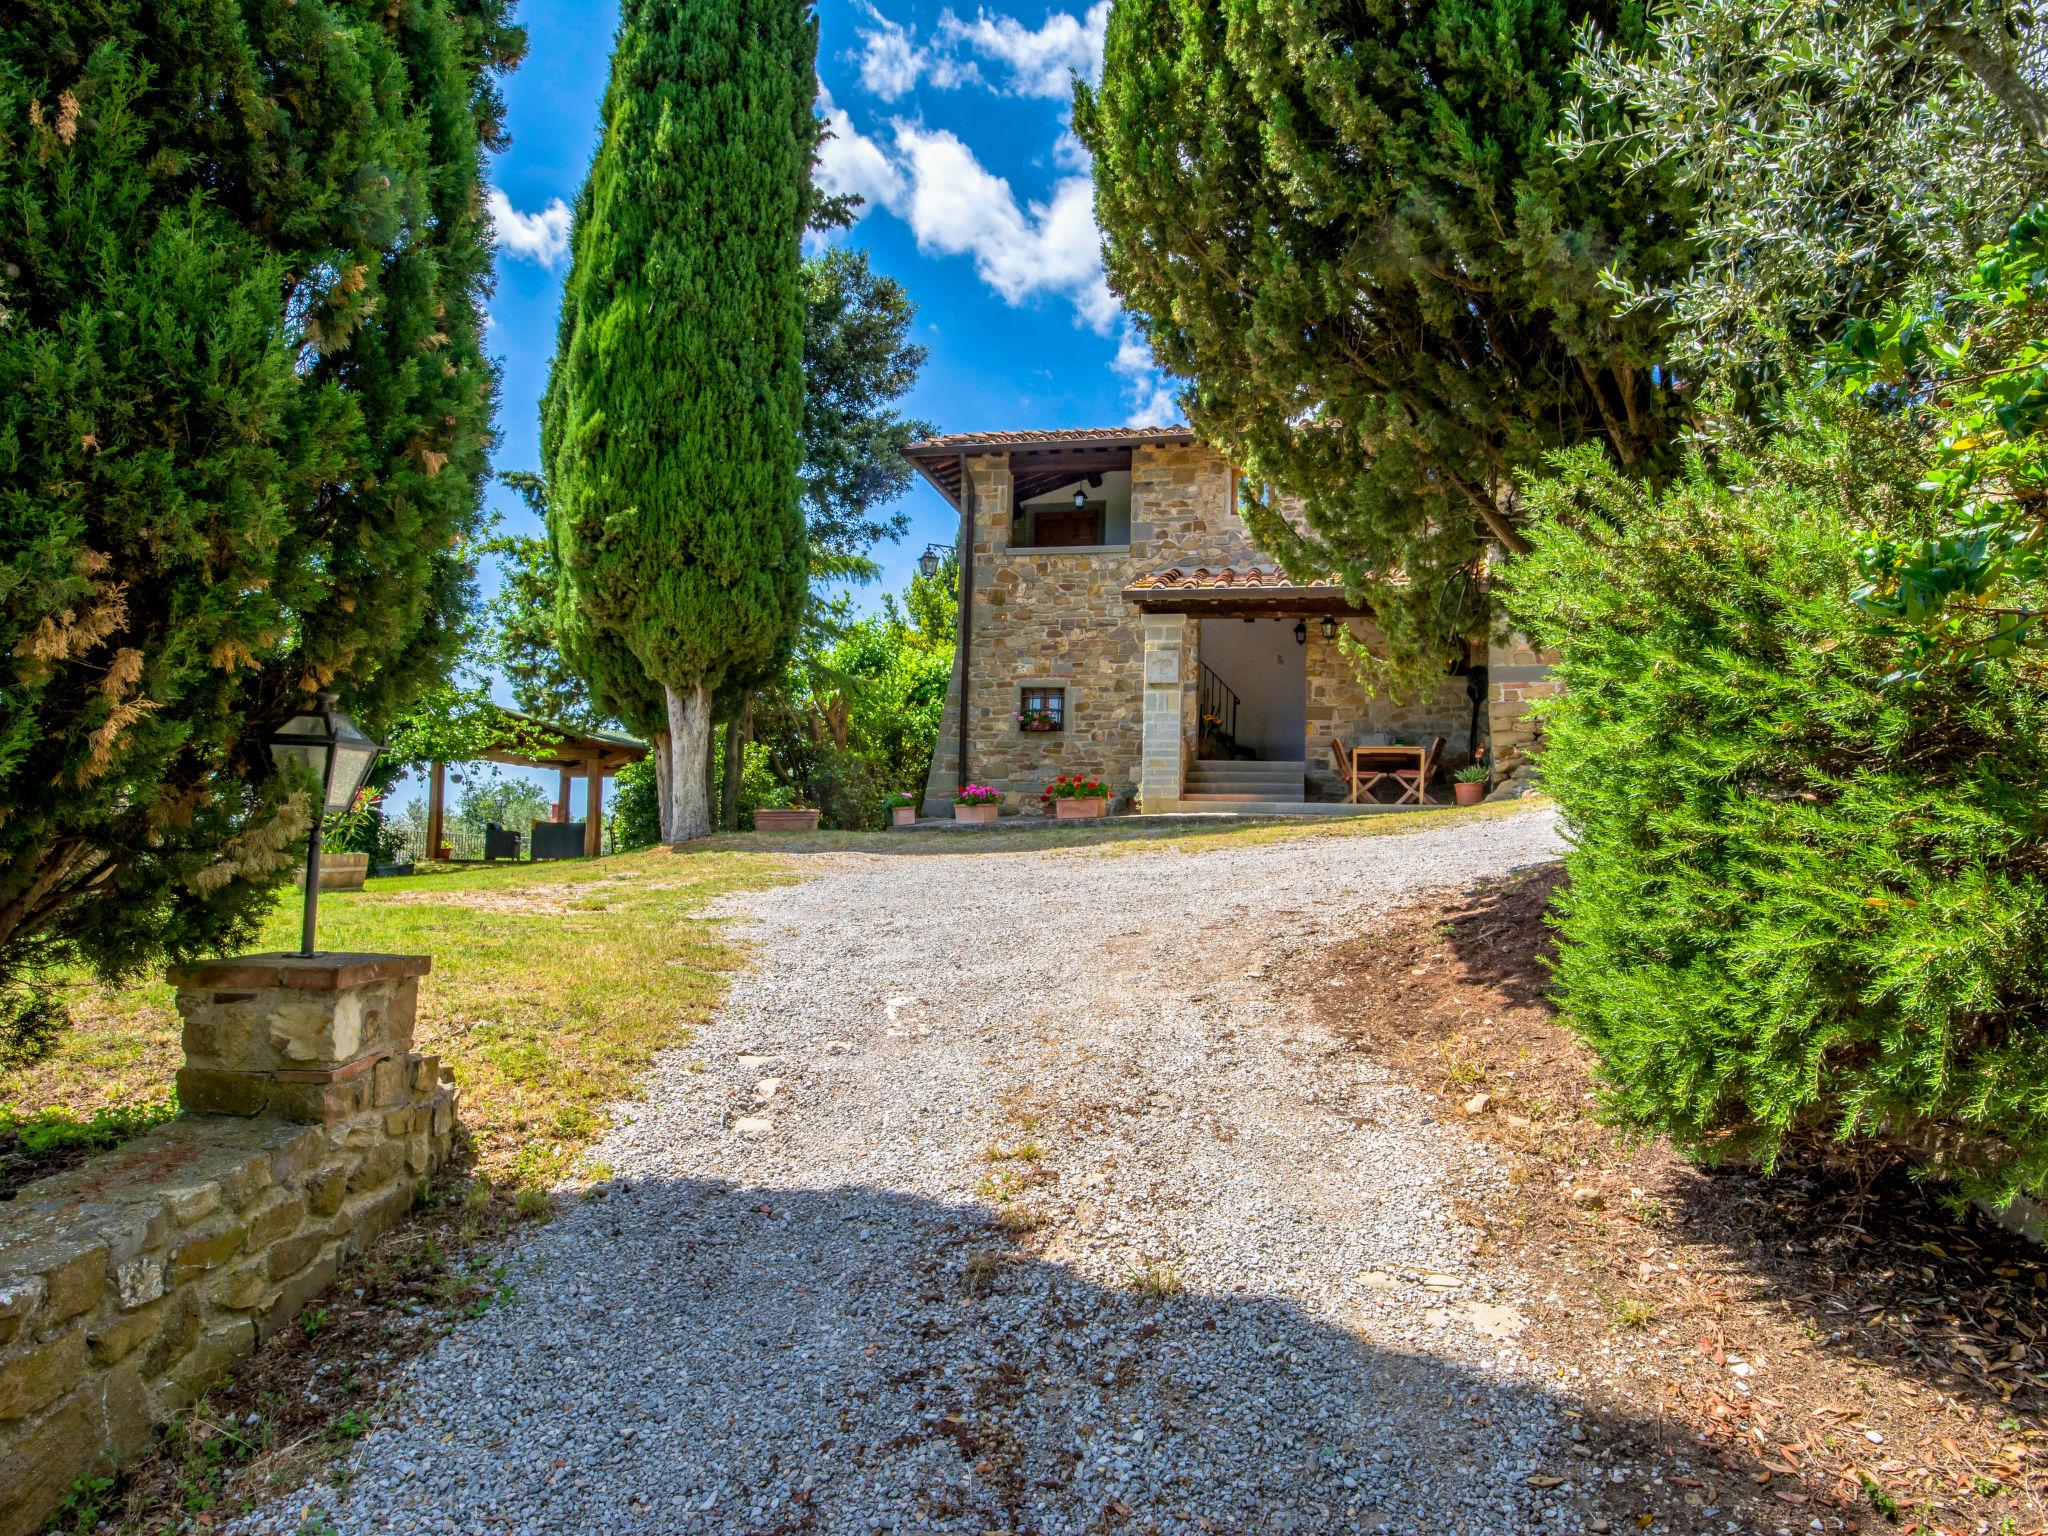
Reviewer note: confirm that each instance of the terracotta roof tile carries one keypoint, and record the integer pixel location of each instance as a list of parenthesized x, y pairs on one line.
[(1059, 435)]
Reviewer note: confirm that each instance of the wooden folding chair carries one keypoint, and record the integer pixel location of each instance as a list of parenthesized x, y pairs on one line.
[(1415, 781), (1359, 782)]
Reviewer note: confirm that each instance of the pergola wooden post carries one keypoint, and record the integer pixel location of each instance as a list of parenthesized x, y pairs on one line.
[(593, 813), (562, 801), (437, 798)]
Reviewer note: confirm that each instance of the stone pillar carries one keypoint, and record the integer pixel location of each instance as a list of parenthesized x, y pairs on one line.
[(1166, 647), (313, 1040)]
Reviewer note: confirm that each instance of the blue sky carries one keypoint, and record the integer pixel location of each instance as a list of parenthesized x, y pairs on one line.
[(952, 123)]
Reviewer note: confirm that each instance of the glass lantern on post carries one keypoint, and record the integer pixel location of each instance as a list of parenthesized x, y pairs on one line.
[(335, 751)]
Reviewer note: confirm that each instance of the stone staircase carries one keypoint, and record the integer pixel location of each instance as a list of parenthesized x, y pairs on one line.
[(1247, 787)]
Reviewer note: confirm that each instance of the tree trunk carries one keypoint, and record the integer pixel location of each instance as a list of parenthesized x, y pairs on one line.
[(689, 728), (735, 766), (664, 802), (2001, 75), (711, 777)]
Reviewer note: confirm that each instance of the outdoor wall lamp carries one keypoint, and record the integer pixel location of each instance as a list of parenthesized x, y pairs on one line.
[(1080, 496), (335, 751), (1329, 627), (928, 562), (1301, 631)]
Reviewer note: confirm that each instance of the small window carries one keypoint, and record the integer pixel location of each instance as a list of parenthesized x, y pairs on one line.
[(1042, 709)]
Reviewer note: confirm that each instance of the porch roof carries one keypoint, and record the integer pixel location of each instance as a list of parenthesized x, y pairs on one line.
[(1237, 589), (1039, 461)]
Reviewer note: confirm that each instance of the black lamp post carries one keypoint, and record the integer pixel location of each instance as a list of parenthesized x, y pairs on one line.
[(337, 753), (928, 562)]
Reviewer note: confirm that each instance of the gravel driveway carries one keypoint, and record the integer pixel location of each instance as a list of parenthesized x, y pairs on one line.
[(1007, 1195)]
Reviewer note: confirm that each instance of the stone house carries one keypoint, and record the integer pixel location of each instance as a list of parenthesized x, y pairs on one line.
[(1116, 620)]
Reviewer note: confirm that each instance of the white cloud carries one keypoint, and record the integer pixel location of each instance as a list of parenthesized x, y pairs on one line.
[(1036, 61), (890, 60), (1150, 389), (851, 162), (956, 207), (1070, 154), (1025, 250), (1041, 61), (542, 238)]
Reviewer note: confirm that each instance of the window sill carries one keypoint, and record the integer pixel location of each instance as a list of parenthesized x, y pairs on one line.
[(1066, 549)]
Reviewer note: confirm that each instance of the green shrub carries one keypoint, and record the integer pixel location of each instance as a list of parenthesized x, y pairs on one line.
[(1804, 905), (636, 807)]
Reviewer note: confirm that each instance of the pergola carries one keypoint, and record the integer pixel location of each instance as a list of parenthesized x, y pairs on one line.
[(593, 753)]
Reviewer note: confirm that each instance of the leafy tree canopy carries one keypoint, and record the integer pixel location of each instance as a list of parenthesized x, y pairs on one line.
[(246, 414), (1345, 224), (1832, 153), (858, 361)]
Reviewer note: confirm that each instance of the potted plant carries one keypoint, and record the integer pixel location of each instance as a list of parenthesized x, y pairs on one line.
[(785, 817), (902, 810), (976, 803), (342, 866), (1036, 720), (1468, 784), (1077, 797)]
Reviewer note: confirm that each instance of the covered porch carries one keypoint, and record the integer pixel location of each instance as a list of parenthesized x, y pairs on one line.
[(1250, 705), (594, 754)]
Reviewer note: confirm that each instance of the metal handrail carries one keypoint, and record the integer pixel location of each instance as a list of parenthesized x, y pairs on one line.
[(1218, 699)]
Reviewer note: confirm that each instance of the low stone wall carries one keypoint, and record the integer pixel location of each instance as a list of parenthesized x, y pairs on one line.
[(132, 1281)]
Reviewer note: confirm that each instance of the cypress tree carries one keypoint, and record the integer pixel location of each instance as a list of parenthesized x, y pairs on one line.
[(1344, 223), (671, 428), (244, 416)]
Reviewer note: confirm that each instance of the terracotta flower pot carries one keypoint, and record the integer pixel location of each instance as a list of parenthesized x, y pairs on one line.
[(338, 872), (1081, 810), (980, 815), (1469, 794), (769, 819), (903, 815)]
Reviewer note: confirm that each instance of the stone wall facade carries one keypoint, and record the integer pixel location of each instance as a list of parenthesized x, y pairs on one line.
[(132, 1281), (1058, 618), (1518, 676)]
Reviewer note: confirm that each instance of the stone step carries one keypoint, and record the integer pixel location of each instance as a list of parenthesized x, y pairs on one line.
[(1237, 798), (1229, 805), (1247, 765), (1257, 772)]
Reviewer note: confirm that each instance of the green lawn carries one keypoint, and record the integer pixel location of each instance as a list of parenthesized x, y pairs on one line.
[(552, 987)]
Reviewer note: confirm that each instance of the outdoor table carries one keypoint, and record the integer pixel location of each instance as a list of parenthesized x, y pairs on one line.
[(1380, 763)]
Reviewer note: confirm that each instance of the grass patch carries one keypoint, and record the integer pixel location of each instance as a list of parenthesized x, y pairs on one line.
[(1159, 1280), (553, 986), (41, 1142)]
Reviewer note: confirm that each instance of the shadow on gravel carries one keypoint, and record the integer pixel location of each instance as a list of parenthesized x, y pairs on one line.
[(695, 1357)]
